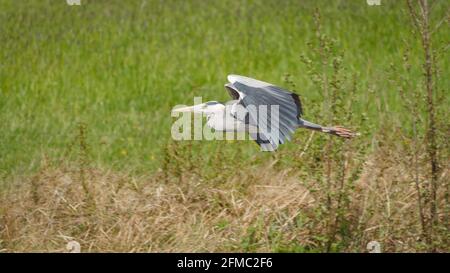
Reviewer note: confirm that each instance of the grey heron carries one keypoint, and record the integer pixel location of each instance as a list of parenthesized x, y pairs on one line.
[(243, 113)]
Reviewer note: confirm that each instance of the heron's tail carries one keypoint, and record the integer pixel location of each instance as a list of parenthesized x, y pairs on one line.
[(335, 130)]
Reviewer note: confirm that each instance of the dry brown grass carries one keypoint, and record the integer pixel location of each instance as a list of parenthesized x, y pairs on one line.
[(142, 214), (262, 209)]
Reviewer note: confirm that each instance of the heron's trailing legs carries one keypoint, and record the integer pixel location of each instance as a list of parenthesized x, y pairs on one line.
[(335, 130)]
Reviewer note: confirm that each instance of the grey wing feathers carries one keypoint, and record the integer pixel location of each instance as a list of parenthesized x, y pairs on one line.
[(231, 90), (274, 129)]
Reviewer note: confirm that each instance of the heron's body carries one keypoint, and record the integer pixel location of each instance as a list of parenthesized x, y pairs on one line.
[(268, 113), (224, 121)]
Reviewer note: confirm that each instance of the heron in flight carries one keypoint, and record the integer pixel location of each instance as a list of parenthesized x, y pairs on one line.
[(268, 130)]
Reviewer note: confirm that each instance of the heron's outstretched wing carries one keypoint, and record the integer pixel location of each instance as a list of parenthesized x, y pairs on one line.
[(255, 95)]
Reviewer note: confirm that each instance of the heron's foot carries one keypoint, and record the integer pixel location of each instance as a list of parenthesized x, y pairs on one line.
[(342, 132)]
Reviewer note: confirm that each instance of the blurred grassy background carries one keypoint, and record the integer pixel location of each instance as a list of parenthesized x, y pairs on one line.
[(120, 66)]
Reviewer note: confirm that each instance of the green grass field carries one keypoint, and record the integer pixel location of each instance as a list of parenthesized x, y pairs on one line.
[(120, 66)]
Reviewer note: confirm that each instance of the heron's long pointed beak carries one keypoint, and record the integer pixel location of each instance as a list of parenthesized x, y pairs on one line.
[(195, 109), (184, 109)]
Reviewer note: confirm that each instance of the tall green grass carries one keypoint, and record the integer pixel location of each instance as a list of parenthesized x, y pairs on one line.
[(120, 66)]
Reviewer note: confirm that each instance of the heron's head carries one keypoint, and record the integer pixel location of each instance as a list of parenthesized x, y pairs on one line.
[(209, 107)]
